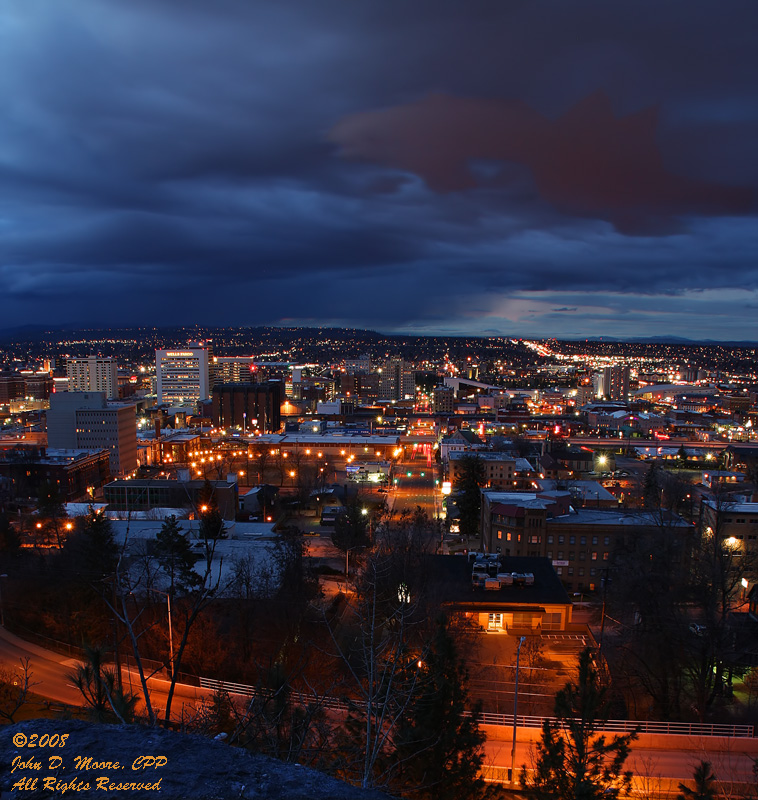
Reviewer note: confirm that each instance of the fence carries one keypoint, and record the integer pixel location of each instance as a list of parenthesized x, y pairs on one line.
[(630, 726), (506, 720), (324, 701)]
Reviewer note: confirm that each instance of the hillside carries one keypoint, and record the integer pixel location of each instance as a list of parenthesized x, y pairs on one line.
[(186, 767)]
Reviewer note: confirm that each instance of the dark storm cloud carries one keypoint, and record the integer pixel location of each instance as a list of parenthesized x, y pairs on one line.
[(587, 161), (198, 149)]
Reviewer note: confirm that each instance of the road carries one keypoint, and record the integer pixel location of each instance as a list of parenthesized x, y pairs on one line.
[(50, 675), (415, 487), (49, 670), (611, 442), (657, 759)]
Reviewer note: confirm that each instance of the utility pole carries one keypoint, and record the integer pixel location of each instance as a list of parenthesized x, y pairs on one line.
[(167, 595), (512, 770), (602, 613), (117, 653)]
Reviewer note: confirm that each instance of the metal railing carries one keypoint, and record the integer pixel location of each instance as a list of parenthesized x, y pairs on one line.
[(506, 720), (245, 690), (631, 726)]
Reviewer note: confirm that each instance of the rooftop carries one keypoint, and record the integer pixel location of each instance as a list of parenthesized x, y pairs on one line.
[(451, 576), (601, 516)]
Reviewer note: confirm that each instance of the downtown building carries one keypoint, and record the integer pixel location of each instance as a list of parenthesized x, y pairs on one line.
[(249, 406), (183, 377), (582, 542), (86, 421), (397, 380), (612, 383), (93, 374)]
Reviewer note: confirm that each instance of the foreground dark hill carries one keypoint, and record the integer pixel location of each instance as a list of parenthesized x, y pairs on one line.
[(174, 765)]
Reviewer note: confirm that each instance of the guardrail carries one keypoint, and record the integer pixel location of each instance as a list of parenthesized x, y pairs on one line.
[(245, 690), (630, 726), (506, 720)]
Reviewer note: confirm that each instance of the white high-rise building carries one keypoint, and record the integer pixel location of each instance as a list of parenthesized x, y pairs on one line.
[(93, 374), (183, 378)]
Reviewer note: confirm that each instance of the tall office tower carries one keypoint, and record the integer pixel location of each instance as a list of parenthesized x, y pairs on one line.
[(85, 421), (614, 383), (182, 376), (396, 380), (234, 369), (92, 374)]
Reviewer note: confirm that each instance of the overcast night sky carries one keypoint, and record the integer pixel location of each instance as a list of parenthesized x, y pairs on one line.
[(507, 168)]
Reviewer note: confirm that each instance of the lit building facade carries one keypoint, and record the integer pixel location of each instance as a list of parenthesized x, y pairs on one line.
[(182, 376), (93, 374), (396, 380)]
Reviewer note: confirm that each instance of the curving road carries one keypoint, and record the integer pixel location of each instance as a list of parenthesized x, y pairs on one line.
[(50, 676), (49, 670)]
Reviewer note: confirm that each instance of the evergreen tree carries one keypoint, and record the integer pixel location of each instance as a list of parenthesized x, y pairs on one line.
[(471, 478), (571, 761), (94, 547), (52, 510), (705, 784), (175, 556), (297, 583), (651, 491), (351, 527), (98, 685), (9, 539), (212, 525), (439, 748)]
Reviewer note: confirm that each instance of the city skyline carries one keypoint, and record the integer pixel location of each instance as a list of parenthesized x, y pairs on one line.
[(529, 170)]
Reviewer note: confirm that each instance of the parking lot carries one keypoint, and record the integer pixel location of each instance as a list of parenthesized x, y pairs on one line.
[(546, 664)]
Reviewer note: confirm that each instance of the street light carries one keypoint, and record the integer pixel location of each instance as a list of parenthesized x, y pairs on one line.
[(515, 712), (364, 513)]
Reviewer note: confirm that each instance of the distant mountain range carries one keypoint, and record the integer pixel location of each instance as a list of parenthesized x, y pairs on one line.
[(668, 340), (35, 332)]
